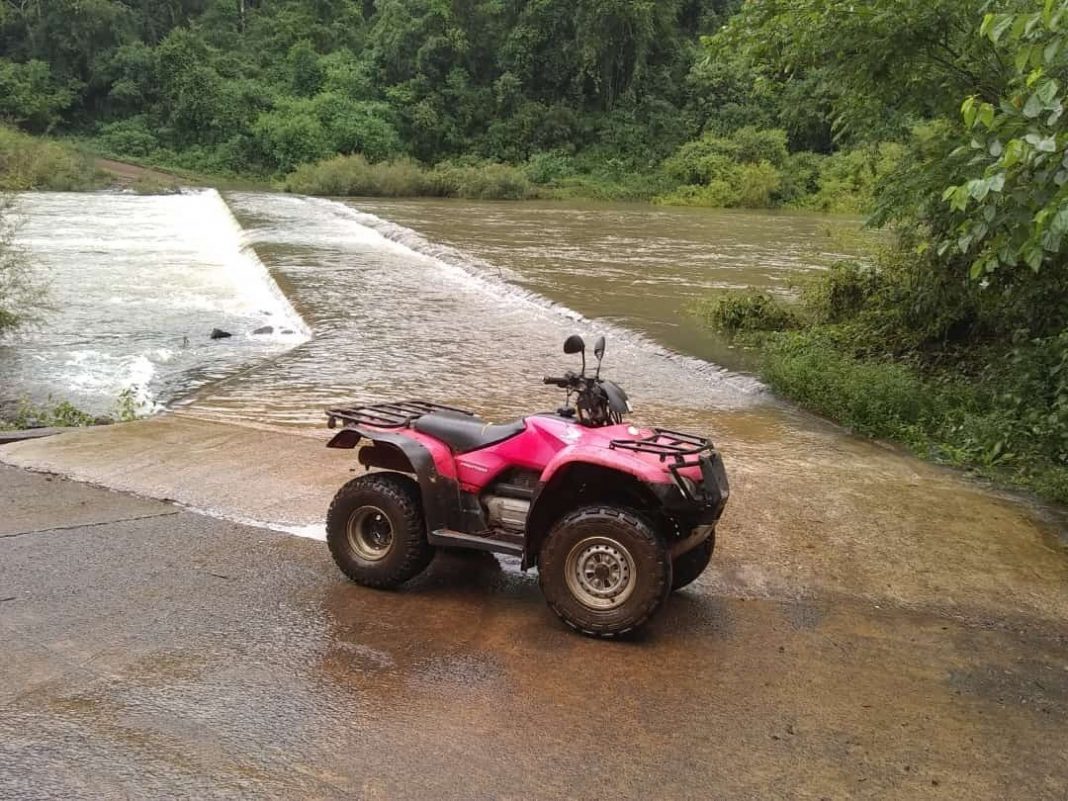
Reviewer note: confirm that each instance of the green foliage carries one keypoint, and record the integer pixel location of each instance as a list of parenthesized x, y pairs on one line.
[(745, 312), (753, 168), (30, 96), (128, 137), (887, 62), (22, 292), (58, 414), (127, 407), (64, 414), (356, 176), (850, 179), (27, 162), (877, 398), (1012, 212), (1007, 421), (589, 96)]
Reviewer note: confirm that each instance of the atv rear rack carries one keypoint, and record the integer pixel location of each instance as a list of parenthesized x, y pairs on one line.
[(388, 415)]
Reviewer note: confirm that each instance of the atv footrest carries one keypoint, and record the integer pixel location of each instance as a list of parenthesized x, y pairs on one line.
[(388, 415)]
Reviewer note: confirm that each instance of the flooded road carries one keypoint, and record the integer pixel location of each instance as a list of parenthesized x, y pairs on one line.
[(396, 314), (635, 265)]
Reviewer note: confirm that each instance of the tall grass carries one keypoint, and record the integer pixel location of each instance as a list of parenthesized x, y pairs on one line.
[(355, 176), (28, 162)]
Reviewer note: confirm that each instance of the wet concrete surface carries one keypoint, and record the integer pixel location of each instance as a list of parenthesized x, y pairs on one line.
[(178, 655), (813, 512)]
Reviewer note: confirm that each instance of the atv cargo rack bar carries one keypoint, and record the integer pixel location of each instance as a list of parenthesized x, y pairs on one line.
[(388, 415), (666, 444), (679, 451)]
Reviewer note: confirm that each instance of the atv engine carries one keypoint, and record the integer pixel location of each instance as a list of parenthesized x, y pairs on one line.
[(506, 513)]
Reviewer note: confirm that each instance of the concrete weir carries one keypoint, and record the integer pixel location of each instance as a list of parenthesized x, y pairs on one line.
[(279, 480)]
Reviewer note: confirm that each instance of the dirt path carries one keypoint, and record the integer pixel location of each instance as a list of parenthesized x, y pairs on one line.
[(125, 174)]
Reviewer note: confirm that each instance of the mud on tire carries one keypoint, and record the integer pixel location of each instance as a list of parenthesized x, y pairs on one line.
[(375, 530), (604, 570)]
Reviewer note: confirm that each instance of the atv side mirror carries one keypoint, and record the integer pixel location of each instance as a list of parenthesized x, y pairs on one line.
[(598, 351), (574, 344)]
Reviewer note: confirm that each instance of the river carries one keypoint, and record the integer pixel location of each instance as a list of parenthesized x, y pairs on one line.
[(466, 301)]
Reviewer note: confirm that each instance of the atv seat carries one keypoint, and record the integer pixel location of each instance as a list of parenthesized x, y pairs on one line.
[(463, 433)]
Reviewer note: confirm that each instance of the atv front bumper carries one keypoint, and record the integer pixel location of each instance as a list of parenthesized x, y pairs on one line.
[(701, 502)]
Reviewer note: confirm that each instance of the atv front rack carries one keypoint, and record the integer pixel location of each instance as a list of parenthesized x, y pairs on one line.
[(679, 451), (388, 415), (665, 444)]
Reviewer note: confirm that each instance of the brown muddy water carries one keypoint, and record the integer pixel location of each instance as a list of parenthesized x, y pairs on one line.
[(469, 302)]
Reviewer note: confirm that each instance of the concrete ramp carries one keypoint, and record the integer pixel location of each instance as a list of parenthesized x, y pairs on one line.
[(282, 480), (809, 517)]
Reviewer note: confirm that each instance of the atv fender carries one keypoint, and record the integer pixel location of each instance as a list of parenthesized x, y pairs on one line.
[(572, 482), (403, 454)]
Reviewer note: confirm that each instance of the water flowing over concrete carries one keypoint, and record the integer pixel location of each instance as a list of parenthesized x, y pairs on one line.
[(136, 285)]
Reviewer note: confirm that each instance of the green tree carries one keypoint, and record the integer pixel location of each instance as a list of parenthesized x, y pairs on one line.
[(22, 292)]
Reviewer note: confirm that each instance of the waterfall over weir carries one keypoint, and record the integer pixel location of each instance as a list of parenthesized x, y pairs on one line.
[(136, 285)]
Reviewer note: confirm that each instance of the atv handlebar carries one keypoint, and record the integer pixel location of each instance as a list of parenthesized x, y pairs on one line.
[(563, 383)]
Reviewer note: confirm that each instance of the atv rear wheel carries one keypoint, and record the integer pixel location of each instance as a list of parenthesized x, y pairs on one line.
[(604, 570), (376, 532), (686, 568)]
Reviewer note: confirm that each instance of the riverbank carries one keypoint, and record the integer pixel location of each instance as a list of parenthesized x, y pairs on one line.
[(860, 349)]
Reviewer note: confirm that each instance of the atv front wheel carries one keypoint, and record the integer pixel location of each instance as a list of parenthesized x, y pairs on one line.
[(692, 564), (604, 570), (375, 531)]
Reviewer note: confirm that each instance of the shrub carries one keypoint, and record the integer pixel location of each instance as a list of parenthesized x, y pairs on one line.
[(849, 178), (129, 137), (1003, 417), (354, 175), (880, 399), (483, 181), (749, 311), (843, 291), (27, 162), (353, 126), (288, 137), (757, 184), (548, 167), (800, 178), (718, 194), (31, 96)]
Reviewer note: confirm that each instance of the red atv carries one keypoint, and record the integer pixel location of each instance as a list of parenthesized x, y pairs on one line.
[(613, 516)]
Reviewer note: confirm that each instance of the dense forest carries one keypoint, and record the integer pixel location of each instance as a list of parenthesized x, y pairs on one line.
[(588, 97)]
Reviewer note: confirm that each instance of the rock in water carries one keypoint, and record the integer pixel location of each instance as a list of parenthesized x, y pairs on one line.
[(264, 329), (218, 333)]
